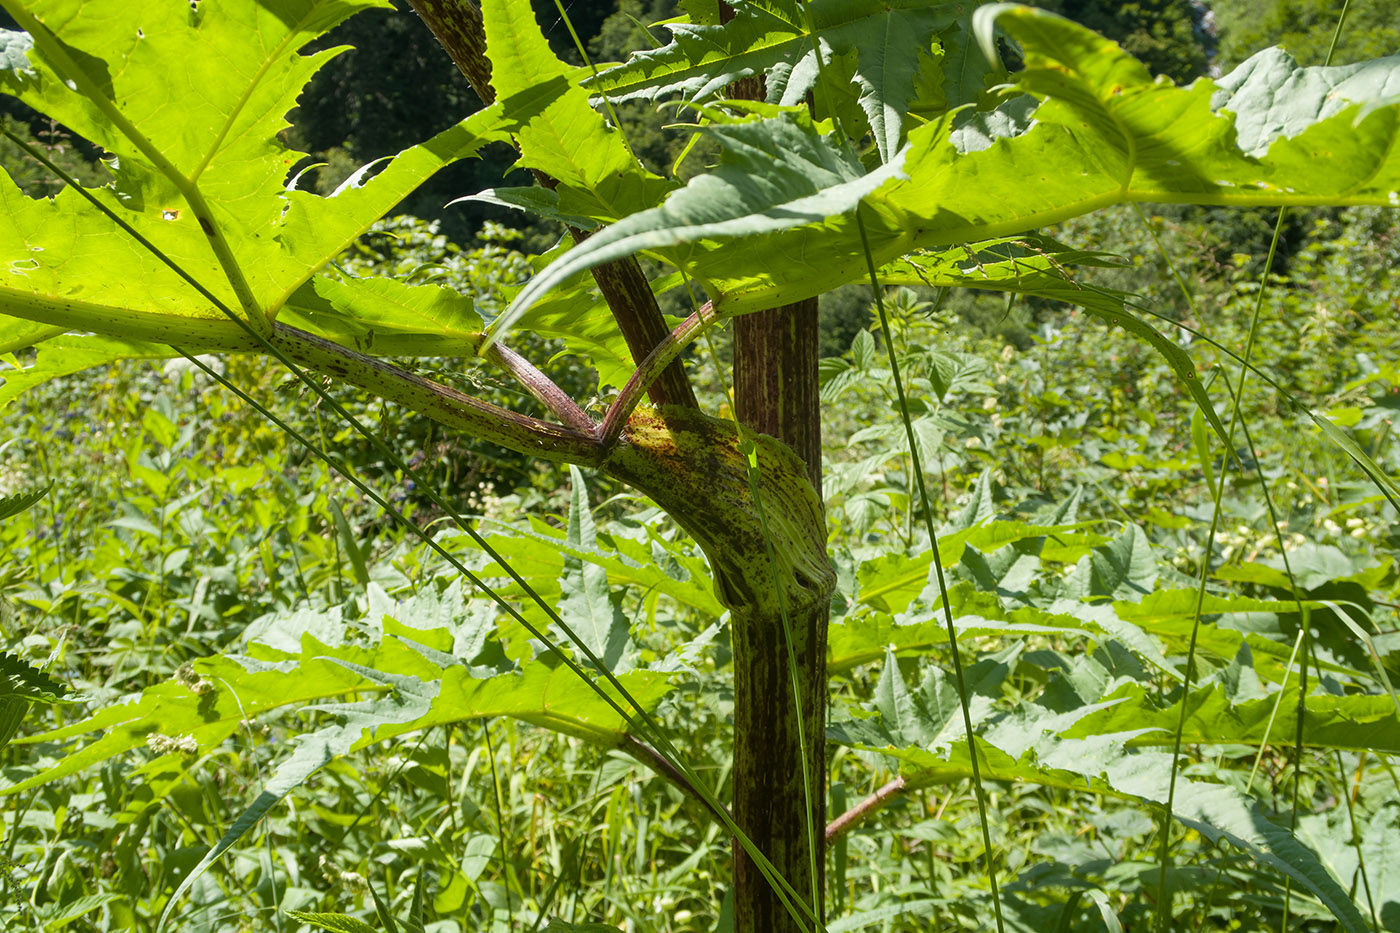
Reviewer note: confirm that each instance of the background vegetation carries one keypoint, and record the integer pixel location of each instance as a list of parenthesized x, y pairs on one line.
[(180, 525)]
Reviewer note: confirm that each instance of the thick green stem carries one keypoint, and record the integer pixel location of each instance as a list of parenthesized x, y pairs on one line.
[(777, 723), (769, 561), (776, 393), (768, 556), (690, 464), (471, 416)]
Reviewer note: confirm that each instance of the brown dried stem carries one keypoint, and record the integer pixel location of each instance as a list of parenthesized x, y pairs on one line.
[(876, 801)]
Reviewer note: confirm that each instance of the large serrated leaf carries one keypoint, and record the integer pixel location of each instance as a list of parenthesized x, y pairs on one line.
[(66, 354), (1102, 132), (557, 131), (1273, 98), (198, 96), (193, 107), (17, 334), (233, 691), (1125, 568)]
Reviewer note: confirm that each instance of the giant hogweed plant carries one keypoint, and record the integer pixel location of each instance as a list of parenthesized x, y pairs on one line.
[(859, 142)]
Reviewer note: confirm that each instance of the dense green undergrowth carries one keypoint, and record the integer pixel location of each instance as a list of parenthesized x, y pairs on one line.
[(288, 713), (1073, 504)]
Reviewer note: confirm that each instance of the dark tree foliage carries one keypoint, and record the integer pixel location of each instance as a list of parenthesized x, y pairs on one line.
[(395, 88)]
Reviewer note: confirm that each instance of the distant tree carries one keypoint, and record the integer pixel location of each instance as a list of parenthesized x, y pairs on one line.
[(73, 155)]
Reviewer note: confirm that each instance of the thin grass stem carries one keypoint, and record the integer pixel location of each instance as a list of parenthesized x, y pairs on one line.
[(978, 790)]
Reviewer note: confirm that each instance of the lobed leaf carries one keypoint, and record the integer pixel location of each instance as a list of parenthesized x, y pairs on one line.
[(1100, 131), (192, 103), (773, 174), (557, 131), (409, 690)]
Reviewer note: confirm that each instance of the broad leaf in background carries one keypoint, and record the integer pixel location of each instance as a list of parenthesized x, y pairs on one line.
[(413, 682), (650, 564), (1033, 748), (590, 606), (1356, 723), (1125, 568)]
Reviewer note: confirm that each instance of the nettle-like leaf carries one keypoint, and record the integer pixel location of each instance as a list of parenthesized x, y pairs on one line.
[(1033, 747), (21, 680), (1124, 568), (21, 683), (891, 582), (11, 506), (336, 923), (590, 607)]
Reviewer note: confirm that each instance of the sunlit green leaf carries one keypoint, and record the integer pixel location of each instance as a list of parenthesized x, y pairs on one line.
[(557, 131), (1103, 133), (1348, 722)]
